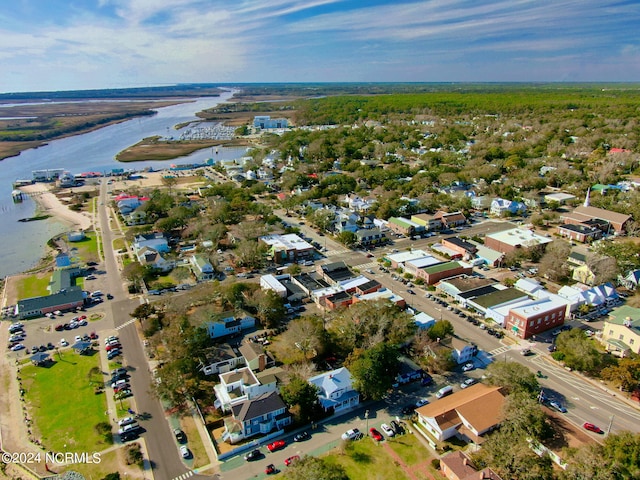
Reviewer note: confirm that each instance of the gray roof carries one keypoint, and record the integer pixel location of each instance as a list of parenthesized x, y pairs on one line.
[(70, 295), (257, 407)]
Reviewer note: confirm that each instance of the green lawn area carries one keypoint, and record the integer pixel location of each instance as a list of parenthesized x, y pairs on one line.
[(365, 460), (62, 403), (119, 244), (33, 285), (87, 248)]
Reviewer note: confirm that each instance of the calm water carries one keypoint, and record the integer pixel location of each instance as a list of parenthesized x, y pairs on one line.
[(23, 243)]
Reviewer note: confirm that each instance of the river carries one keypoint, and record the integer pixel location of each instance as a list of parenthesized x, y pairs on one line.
[(23, 243)]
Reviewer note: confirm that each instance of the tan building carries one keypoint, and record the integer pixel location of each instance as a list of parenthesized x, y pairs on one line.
[(469, 413), (621, 331), (587, 215)]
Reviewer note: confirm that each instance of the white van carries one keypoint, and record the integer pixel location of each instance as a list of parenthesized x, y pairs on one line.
[(97, 293), (444, 391)]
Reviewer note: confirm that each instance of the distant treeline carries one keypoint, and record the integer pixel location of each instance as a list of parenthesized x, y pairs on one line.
[(183, 90)]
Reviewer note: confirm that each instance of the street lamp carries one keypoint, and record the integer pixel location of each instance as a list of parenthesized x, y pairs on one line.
[(366, 417)]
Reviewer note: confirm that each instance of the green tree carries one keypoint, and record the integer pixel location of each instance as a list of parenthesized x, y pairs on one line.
[(143, 311), (270, 308), (625, 373), (348, 239), (315, 468), (514, 377), (440, 330), (169, 181), (374, 370), (302, 399), (578, 351)]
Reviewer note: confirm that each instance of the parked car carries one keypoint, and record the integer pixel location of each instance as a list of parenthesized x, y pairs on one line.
[(64, 343), (277, 445), (184, 451), (126, 421), (388, 431), (119, 371), (17, 347), (113, 354), (421, 402), (59, 327), (467, 367), (253, 455), (468, 382), (50, 346), (270, 469), (123, 393), (592, 428), (375, 434), (353, 434), (397, 428), (291, 460), (301, 437)]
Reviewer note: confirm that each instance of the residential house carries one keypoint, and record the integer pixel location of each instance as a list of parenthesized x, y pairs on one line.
[(621, 331), (345, 222), (137, 217), (501, 207), (461, 351), (468, 413), (220, 359), (335, 390), (589, 274), (451, 219), (239, 385), (482, 202), (631, 280), (424, 321), (202, 268), (606, 219), (229, 323), (367, 237), (514, 239), (256, 416), (147, 256), (456, 465), (429, 222), (156, 240), (256, 357)]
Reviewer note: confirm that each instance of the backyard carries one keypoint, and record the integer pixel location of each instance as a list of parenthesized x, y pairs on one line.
[(87, 248)]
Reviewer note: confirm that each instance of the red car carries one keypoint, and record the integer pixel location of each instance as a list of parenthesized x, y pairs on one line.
[(290, 460), (271, 469), (592, 428), (375, 434), (112, 347), (277, 445)]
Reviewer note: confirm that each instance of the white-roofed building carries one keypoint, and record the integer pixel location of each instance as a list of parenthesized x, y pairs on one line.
[(424, 321), (271, 282), (400, 258), (515, 238), (382, 294), (412, 266), (287, 248)]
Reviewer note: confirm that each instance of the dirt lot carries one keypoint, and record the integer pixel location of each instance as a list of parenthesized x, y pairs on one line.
[(566, 434)]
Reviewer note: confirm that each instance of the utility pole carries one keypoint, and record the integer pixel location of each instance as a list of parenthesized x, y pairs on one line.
[(610, 424)]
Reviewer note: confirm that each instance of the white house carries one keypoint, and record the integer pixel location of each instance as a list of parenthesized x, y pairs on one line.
[(335, 390), (239, 385), (228, 323)]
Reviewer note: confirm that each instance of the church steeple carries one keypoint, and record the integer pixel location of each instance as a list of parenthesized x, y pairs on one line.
[(587, 199)]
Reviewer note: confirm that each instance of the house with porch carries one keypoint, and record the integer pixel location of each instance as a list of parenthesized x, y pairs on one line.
[(229, 323), (256, 416), (621, 331), (335, 390), (239, 385)]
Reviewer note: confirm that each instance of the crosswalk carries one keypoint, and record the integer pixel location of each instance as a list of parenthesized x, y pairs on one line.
[(499, 350), (125, 324), (190, 473), (333, 253)]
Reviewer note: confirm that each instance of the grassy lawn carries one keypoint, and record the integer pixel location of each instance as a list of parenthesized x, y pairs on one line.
[(119, 244), (33, 285), (365, 460), (87, 248), (409, 449), (62, 403), (200, 457)]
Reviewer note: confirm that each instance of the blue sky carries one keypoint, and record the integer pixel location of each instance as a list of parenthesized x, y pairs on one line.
[(82, 44)]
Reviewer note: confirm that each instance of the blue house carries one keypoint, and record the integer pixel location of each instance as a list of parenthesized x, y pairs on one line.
[(257, 416), (335, 390)]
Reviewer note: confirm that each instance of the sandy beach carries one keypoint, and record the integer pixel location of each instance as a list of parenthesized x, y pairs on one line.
[(51, 205)]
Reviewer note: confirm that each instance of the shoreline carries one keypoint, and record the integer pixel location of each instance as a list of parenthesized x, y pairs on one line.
[(47, 203)]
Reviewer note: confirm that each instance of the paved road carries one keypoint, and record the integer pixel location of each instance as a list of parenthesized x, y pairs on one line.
[(162, 449)]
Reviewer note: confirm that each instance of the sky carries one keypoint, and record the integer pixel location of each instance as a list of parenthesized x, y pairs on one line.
[(48, 45)]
